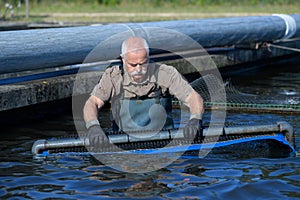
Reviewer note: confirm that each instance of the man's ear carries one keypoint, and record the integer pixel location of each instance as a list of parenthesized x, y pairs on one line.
[(122, 57)]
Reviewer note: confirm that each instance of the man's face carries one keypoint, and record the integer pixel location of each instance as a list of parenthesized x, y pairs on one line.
[(136, 64)]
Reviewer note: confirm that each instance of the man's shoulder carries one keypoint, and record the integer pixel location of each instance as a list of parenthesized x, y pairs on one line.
[(163, 68), (113, 71)]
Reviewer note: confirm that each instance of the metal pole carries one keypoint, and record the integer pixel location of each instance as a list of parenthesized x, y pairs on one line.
[(40, 145), (27, 9)]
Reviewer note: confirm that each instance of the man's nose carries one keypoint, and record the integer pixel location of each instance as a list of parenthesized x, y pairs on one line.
[(139, 68)]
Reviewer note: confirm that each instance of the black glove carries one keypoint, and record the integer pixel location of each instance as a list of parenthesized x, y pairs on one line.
[(193, 128), (97, 137)]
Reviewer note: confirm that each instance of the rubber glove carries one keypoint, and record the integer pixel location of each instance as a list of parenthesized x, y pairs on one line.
[(97, 137), (193, 128)]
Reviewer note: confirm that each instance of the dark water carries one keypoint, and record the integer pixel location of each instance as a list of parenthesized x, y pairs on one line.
[(23, 176)]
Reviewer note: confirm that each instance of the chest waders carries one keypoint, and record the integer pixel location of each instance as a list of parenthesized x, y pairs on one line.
[(142, 113)]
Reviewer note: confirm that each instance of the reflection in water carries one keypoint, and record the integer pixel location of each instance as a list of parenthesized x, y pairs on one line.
[(219, 177)]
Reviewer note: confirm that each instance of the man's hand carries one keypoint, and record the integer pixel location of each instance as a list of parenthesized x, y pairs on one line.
[(193, 128), (97, 137)]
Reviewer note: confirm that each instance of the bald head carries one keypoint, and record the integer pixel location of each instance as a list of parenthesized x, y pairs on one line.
[(134, 45)]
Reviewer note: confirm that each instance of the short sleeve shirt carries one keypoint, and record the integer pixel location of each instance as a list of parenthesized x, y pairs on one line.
[(165, 76)]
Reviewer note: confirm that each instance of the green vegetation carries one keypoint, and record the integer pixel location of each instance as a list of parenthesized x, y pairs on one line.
[(103, 11)]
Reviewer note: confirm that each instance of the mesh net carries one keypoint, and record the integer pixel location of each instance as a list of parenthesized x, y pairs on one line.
[(261, 143), (210, 85)]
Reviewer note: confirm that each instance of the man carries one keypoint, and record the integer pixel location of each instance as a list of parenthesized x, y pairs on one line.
[(140, 94)]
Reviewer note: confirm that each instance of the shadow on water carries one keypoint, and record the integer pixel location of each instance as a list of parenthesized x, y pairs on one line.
[(82, 177)]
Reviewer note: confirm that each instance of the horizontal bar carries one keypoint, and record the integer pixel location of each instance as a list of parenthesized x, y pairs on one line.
[(40, 145)]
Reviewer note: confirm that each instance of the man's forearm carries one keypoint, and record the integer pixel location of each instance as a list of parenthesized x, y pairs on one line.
[(196, 106), (91, 108), (90, 112)]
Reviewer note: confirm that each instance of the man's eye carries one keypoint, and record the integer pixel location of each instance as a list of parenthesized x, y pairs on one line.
[(141, 64), (134, 65)]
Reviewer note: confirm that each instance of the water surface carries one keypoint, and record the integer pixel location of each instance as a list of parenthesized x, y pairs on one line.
[(23, 176)]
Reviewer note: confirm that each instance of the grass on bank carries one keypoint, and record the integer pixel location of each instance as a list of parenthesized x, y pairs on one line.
[(137, 11)]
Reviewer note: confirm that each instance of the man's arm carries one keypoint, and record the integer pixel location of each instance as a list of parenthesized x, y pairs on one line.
[(169, 77), (195, 103), (91, 107), (194, 127), (100, 94), (96, 135)]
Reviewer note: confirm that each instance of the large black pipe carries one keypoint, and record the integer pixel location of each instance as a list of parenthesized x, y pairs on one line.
[(35, 49)]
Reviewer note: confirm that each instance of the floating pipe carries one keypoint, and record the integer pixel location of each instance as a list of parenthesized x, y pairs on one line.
[(282, 127), (42, 48)]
